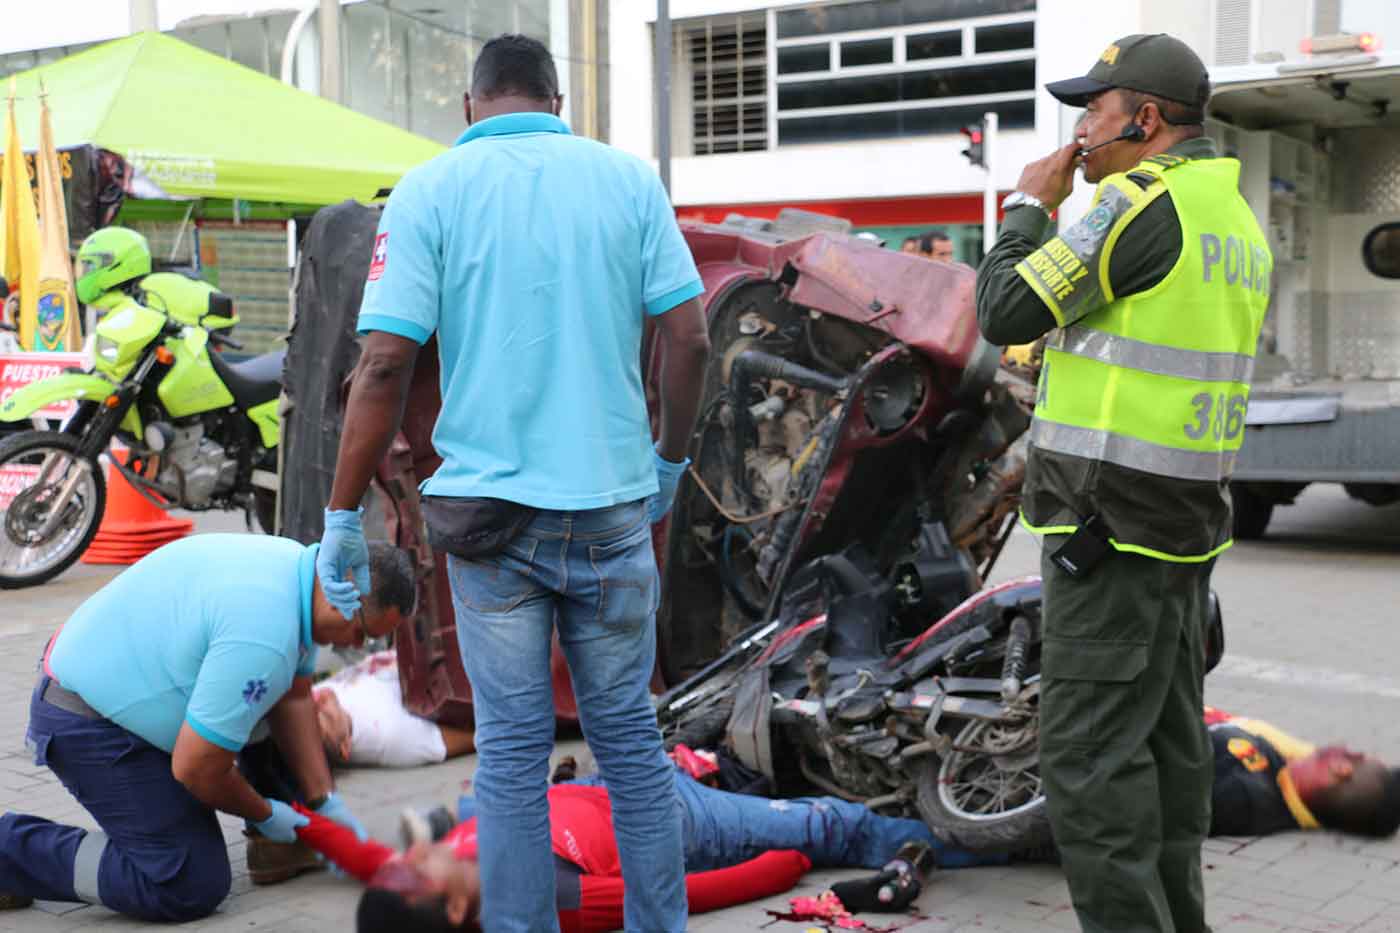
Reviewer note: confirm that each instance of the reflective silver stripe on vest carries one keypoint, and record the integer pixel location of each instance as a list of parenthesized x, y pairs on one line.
[(1151, 358), (1131, 452)]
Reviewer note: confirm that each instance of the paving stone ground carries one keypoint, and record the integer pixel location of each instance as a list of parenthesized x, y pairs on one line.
[(1313, 633)]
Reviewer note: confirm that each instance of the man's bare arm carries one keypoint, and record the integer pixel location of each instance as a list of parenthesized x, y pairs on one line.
[(373, 413), (685, 338), (294, 729), (208, 772)]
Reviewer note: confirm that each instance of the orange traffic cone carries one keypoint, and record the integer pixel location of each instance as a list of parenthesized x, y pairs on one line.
[(131, 527)]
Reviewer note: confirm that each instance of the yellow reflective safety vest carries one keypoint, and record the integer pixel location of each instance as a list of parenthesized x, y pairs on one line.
[(1155, 383)]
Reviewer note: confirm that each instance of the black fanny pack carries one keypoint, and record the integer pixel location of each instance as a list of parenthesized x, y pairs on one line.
[(472, 527)]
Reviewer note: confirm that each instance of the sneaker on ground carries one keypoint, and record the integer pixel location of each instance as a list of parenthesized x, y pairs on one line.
[(424, 826)]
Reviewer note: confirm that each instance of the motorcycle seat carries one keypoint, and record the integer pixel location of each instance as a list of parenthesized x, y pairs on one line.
[(252, 382)]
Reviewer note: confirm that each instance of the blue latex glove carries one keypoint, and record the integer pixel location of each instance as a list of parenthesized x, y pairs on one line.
[(668, 474), (335, 809), (342, 565), (282, 825)]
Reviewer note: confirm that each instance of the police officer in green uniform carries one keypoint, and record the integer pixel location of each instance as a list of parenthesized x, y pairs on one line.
[(1153, 303)]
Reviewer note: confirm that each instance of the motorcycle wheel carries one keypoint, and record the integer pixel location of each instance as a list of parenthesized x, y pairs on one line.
[(26, 558), (986, 795)]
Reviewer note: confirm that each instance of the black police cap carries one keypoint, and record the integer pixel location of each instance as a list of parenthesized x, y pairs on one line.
[(1151, 64)]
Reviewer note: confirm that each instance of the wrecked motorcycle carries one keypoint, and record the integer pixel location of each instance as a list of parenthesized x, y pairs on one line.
[(943, 726)]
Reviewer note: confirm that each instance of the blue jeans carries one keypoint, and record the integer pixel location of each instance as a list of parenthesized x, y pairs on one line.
[(160, 855), (721, 829), (591, 573)]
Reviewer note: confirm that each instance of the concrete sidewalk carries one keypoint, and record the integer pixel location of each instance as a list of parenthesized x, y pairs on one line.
[(1293, 882)]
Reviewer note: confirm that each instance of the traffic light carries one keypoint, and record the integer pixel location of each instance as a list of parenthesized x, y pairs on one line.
[(975, 133)]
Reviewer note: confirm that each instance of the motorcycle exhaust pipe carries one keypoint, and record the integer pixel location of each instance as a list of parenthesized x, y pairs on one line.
[(1013, 667)]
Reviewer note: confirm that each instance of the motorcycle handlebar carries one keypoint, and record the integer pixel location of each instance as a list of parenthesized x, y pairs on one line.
[(219, 340)]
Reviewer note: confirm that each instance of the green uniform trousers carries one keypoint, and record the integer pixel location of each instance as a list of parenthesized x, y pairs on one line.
[(1124, 753)]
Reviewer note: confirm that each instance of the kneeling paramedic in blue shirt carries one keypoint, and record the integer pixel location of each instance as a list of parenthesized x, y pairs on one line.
[(149, 691), (536, 257)]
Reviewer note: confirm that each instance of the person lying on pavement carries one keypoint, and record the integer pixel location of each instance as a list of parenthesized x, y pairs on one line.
[(363, 721), (148, 693), (1267, 781), (738, 848)]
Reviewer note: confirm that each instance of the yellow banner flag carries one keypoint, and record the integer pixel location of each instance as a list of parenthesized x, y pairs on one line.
[(19, 231), (58, 309)]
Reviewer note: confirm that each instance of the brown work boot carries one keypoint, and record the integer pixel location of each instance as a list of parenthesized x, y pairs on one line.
[(14, 901), (270, 862)]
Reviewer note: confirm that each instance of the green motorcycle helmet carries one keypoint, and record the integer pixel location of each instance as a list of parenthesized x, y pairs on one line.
[(108, 258)]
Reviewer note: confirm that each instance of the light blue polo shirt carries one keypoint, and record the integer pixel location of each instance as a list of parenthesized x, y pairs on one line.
[(208, 630), (532, 254)]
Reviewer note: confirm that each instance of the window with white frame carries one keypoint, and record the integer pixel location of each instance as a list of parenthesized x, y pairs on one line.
[(888, 68)]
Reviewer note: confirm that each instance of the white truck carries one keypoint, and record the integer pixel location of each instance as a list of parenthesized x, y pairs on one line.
[(1319, 143)]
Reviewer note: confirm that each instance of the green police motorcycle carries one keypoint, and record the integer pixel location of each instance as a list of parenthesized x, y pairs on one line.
[(202, 433)]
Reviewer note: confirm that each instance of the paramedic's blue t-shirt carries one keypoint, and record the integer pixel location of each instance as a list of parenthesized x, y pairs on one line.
[(533, 255), (208, 630)]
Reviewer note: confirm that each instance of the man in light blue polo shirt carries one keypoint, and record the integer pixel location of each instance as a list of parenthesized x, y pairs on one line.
[(536, 257), (147, 694)]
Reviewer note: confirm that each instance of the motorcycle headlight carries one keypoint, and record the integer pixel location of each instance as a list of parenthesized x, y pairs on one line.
[(106, 348)]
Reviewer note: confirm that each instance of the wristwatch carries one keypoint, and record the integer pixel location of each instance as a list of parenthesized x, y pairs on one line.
[(1019, 198)]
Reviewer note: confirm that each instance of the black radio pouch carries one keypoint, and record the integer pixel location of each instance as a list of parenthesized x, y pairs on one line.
[(473, 527), (1084, 549)]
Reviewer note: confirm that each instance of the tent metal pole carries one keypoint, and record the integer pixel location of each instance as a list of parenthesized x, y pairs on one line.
[(330, 50), (143, 16)]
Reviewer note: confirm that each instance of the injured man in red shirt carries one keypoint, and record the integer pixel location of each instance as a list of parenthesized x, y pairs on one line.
[(738, 848)]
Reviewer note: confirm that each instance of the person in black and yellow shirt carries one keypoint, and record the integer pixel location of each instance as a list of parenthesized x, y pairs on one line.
[(1267, 781)]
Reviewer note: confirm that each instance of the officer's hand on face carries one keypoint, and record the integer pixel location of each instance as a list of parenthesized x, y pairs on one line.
[(1051, 179)]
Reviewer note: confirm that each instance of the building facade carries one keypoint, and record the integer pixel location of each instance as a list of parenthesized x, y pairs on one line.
[(402, 61), (405, 62), (853, 107), (845, 107)]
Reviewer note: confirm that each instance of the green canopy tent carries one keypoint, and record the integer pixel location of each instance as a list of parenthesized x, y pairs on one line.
[(197, 125), (153, 132)]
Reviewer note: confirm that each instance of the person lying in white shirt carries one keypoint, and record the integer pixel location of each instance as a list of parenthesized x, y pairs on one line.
[(363, 721)]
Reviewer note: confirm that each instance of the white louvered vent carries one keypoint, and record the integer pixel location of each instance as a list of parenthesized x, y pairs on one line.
[(729, 82), (1232, 39)]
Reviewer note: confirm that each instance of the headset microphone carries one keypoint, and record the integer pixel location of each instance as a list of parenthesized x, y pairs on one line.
[(1131, 132)]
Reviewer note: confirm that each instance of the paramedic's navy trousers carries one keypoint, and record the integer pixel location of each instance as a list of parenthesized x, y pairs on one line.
[(159, 855)]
